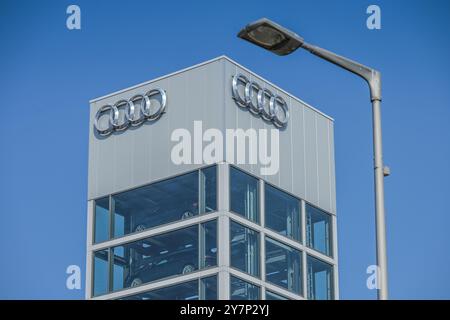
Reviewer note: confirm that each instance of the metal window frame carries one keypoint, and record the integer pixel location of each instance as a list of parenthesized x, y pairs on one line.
[(332, 275), (175, 277), (248, 282), (331, 229), (111, 198), (173, 226), (167, 282), (223, 269), (258, 234), (259, 192), (304, 249), (300, 207), (300, 254)]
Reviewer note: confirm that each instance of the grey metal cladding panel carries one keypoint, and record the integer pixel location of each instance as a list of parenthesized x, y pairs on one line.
[(285, 176), (305, 151), (236, 117), (297, 125), (92, 172), (141, 155), (332, 166), (323, 161), (311, 163)]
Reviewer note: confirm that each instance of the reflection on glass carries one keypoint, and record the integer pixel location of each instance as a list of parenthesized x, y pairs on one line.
[(208, 192), (282, 212), (320, 280), (182, 291), (318, 230), (156, 258), (208, 288), (244, 249), (283, 266), (101, 223), (100, 272), (273, 296), (208, 232), (244, 194), (242, 290), (164, 255), (155, 204)]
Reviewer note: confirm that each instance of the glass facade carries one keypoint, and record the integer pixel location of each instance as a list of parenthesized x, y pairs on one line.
[(273, 296), (282, 212), (244, 194), (320, 280), (244, 247), (243, 290), (318, 230), (101, 272), (101, 226), (283, 266), (169, 231), (174, 253), (203, 289), (156, 204)]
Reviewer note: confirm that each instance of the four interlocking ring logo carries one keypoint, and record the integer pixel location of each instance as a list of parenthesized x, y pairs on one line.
[(260, 101), (136, 111)]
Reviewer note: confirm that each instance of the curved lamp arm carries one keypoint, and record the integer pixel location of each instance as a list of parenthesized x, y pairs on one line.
[(372, 76)]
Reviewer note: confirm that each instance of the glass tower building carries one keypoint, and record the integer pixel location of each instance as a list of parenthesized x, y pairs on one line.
[(159, 228)]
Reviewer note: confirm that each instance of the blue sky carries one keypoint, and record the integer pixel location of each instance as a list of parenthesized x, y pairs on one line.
[(48, 74)]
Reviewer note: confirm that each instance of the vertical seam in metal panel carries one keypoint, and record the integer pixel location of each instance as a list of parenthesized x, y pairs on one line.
[(96, 163), (304, 151), (329, 168), (292, 148), (224, 122), (237, 118), (133, 157), (317, 160), (168, 129), (204, 107), (267, 129), (186, 95), (252, 166), (279, 169), (114, 164)]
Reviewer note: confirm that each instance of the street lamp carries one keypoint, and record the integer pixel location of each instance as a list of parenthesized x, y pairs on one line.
[(273, 37)]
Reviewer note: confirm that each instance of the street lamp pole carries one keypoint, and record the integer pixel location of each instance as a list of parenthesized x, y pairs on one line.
[(279, 40)]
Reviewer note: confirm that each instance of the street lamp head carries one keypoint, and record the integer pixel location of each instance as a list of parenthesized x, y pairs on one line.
[(271, 36)]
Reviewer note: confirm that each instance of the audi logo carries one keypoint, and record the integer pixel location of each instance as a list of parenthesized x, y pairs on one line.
[(136, 111), (260, 101)]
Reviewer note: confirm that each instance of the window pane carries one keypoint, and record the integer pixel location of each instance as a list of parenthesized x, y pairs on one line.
[(155, 258), (209, 243), (156, 204), (283, 266), (100, 272), (282, 212), (242, 290), (209, 288), (101, 222), (183, 291), (320, 280), (208, 196), (273, 296), (244, 249), (244, 194), (318, 230), (119, 268)]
